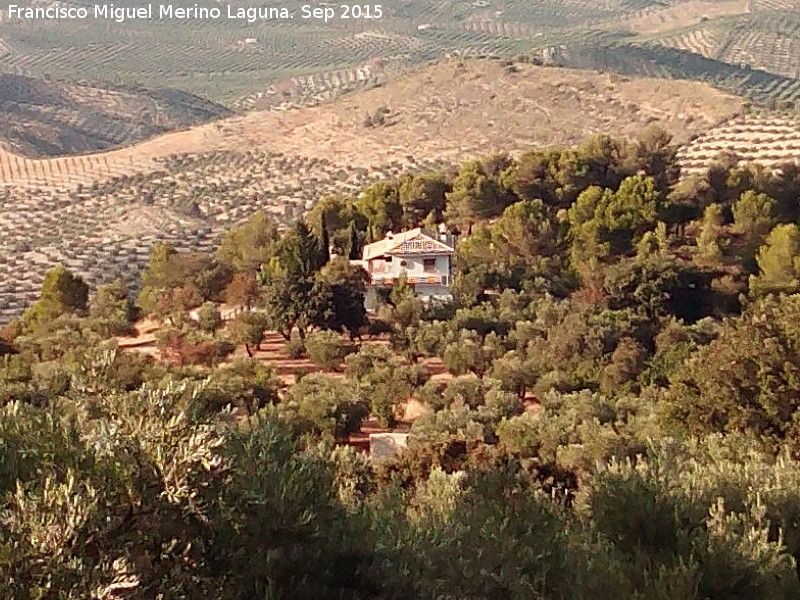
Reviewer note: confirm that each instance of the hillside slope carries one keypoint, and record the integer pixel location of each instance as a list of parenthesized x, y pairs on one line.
[(44, 118), (242, 65), (450, 110), (101, 214), (771, 140)]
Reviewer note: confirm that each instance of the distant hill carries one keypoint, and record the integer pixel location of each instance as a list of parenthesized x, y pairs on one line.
[(294, 61), (45, 118), (768, 40), (449, 110), (647, 60)]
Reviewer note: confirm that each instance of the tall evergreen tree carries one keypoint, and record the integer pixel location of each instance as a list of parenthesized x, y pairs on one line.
[(355, 242), (324, 240), (301, 255)]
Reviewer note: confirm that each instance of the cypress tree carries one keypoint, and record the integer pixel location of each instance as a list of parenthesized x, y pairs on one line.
[(355, 243), (324, 241)]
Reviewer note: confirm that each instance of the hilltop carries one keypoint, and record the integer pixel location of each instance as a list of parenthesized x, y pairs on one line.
[(49, 118), (100, 214), (450, 110)]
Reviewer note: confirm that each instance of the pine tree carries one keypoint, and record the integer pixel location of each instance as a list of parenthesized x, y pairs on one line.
[(778, 262), (708, 244), (62, 293), (754, 214)]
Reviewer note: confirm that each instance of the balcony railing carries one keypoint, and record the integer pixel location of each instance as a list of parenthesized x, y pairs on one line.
[(414, 280)]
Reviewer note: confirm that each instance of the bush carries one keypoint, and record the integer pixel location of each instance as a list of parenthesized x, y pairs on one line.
[(384, 380), (209, 317), (245, 384), (322, 403), (327, 349), (295, 348), (379, 327), (467, 355)]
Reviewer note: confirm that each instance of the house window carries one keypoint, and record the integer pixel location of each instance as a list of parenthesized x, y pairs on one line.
[(429, 264)]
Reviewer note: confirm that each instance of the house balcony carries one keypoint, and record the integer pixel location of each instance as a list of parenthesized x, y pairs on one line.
[(389, 280)]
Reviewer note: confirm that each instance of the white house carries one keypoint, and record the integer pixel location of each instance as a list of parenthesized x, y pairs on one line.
[(424, 256)]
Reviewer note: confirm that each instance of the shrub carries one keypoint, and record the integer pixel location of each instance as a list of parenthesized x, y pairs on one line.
[(327, 349), (295, 348), (323, 404), (209, 317)]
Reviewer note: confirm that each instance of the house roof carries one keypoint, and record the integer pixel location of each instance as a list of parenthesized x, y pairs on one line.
[(413, 241)]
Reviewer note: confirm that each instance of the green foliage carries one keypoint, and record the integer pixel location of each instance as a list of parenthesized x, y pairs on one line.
[(708, 242), (606, 433), (327, 349), (778, 262), (383, 380), (112, 311), (188, 346), (745, 380), (634, 209), (380, 204), (248, 329), (603, 222), (325, 404), (209, 318), (287, 302), (173, 282), (658, 286), (655, 155), (245, 384), (295, 348), (514, 373), (626, 364), (62, 293), (558, 176), (476, 195), (249, 245), (291, 302), (672, 516), (523, 244), (422, 196), (754, 215), (301, 288), (468, 354), (300, 252), (346, 288)]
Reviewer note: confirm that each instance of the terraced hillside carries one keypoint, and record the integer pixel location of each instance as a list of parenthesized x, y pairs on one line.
[(240, 63), (766, 139), (769, 41), (637, 59), (100, 214), (41, 118)]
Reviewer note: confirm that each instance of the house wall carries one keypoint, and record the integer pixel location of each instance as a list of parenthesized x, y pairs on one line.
[(426, 292), (414, 267)]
